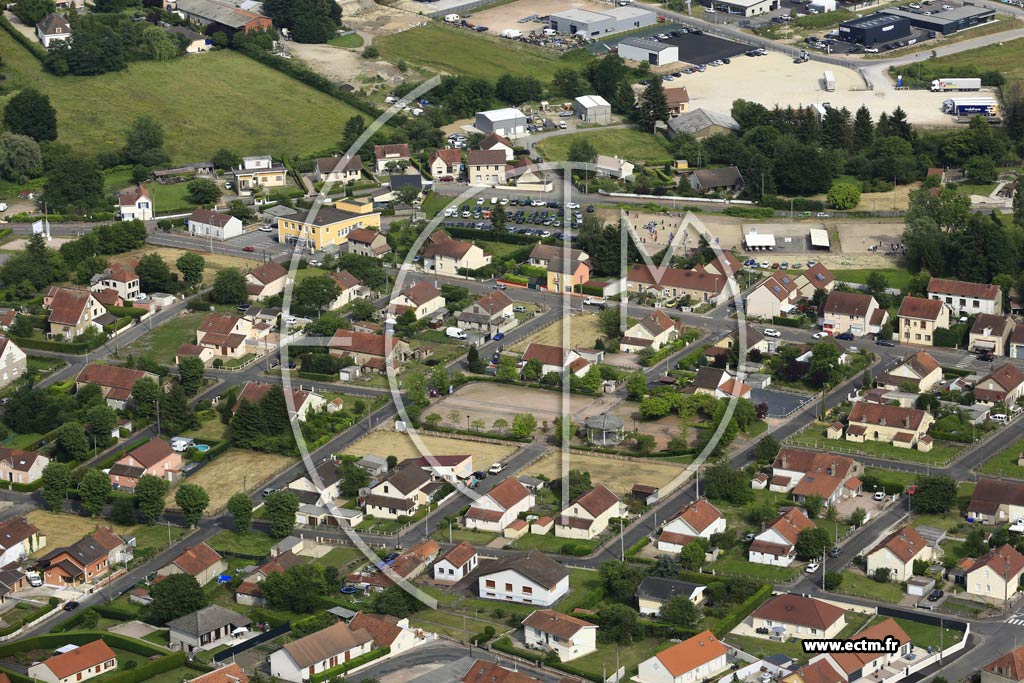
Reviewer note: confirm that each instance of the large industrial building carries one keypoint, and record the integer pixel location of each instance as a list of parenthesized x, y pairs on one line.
[(947, 22), (874, 29), (746, 8), (593, 25), (508, 123), (647, 50)]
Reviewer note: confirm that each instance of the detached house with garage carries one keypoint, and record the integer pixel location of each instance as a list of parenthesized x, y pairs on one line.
[(920, 370), (73, 312), (155, 458), (266, 280), (422, 298), (897, 553), (590, 514), (556, 359), (491, 313), (80, 664), (652, 332), (788, 616), (18, 539), (259, 172), (990, 334), (213, 225), (719, 383), (205, 628), (858, 314), (447, 256), (775, 295), (1004, 384), (776, 545), (401, 492), (201, 562), (698, 519), (115, 382), (318, 652), (655, 591), (919, 318), (996, 501), (371, 352), (341, 169), (995, 576), (966, 298), (88, 560), (457, 563), (694, 660), (499, 507), (803, 473), (531, 579), (220, 335), (568, 637)]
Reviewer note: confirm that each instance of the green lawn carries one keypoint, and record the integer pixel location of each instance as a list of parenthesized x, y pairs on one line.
[(1003, 57), (342, 556), (174, 675), (458, 51), (603, 661), (549, 543), (251, 543), (983, 190), (814, 436), (625, 143), (738, 565), (475, 537), (198, 99), (213, 430), (351, 40), (763, 647), (861, 586), (896, 277), (1005, 461), (172, 198), (155, 535), (855, 621), (162, 342), (925, 635)]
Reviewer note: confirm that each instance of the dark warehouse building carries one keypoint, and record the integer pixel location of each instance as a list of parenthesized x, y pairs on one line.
[(874, 29), (948, 22)]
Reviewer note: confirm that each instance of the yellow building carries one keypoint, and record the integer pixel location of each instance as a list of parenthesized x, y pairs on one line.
[(327, 226)]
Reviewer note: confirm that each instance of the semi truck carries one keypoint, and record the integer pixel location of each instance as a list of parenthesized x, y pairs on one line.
[(952, 84), (830, 81), (971, 106)]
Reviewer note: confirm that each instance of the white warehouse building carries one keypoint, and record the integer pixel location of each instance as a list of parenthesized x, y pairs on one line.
[(508, 123), (647, 50), (592, 109), (593, 25), (747, 8)]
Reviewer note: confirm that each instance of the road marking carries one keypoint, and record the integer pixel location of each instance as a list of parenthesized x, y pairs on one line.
[(964, 362), (1016, 621)]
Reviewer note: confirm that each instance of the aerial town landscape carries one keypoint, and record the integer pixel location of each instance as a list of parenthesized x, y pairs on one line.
[(503, 341)]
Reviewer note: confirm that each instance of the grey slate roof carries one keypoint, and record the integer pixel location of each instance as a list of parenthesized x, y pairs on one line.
[(208, 619), (659, 588), (697, 120)]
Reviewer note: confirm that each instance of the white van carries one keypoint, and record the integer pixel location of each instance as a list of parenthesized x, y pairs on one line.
[(452, 18), (456, 333), (999, 417)]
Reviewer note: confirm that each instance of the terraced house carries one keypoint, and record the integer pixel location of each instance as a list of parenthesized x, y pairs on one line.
[(675, 283)]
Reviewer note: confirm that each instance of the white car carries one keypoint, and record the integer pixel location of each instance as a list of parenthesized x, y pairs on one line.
[(479, 201), (771, 332), (572, 205), (709, 10), (537, 202), (811, 568), (822, 214), (818, 335), (504, 201), (871, 50), (496, 468), (266, 228), (879, 496), (494, 200)]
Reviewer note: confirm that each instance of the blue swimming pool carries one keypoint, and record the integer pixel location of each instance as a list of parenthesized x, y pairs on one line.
[(201, 447)]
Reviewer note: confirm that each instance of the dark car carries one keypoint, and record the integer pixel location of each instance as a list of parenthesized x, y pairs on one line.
[(985, 356), (845, 336), (885, 342), (480, 475), (833, 551), (69, 606), (935, 595)]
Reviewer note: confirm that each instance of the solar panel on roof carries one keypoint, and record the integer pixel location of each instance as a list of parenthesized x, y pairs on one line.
[(819, 276)]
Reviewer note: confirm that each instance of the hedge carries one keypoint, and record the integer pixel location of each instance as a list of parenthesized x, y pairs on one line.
[(126, 311), (36, 613), (504, 644), (148, 670), (590, 290), (51, 641), (48, 345), (349, 665), (740, 612), (120, 612), (788, 322), (750, 211), (796, 203), (497, 236), (37, 50)]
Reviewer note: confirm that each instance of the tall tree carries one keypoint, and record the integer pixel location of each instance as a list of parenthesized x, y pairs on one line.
[(155, 275), (247, 425), (149, 493), (175, 596), (274, 408), (144, 142), (56, 479), (31, 12), (863, 129), (191, 371), (30, 113), (176, 415), (352, 478), (310, 21), (280, 508), (71, 440), (94, 489), (74, 182), (653, 105), (191, 266), (145, 395), (192, 500), (229, 287), (20, 158), (315, 294), (240, 509)]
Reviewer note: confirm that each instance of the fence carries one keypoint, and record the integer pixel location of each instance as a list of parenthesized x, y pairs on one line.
[(252, 642)]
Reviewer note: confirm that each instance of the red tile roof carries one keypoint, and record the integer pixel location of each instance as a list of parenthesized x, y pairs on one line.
[(691, 653), (383, 628), (208, 217), (485, 157), (920, 309), (508, 493), (152, 452), (270, 271), (557, 624), (677, 277), (67, 305), (1010, 665), (197, 560), (546, 354), (963, 289), (799, 610), (852, 662), (597, 500), (460, 554), (1005, 561), (700, 514), (850, 304), (81, 658), (904, 543), (119, 380), (491, 672), (886, 415), (421, 292), (382, 152), (790, 523), (230, 673), (346, 280)]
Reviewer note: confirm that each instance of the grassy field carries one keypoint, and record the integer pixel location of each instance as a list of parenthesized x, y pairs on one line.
[(162, 342), (64, 529), (925, 635), (550, 544), (458, 51), (385, 443), (763, 647), (172, 198), (352, 40), (625, 143), (617, 475), (814, 436), (629, 657), (896, 277), (861, 586), (213, 429), (584, 330), (214, 262), (1003, 57), (1004, 462), (222, 477), (247, 543)]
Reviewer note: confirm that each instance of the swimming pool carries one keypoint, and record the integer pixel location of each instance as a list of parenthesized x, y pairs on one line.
[(201, 447)]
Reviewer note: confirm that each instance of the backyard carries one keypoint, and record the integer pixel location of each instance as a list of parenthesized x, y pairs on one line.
[(584, 330), (384, 443), (764, 647), (856, 584), (233, 471), (1004, 463), (814, 436), (61, 529), (162, 342), (625, 143)]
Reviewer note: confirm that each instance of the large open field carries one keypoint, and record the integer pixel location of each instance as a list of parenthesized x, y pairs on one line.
[(214, 262), (384, 443), (163, 341), (232, 470), (479, 401), (618, 475), (205, 102), (584, 330), (625, 143), (1003, 57), (460, 51)]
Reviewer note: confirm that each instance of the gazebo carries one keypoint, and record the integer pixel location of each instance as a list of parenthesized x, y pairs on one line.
[(604, 430)]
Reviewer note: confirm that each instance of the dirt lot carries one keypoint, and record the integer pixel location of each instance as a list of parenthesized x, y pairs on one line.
[(583, 332), (63, 530), (481, 402), (618, 475), (222, 477), (499, 18), (214, 262), (345, 65), (775, 80), (385, 443), (19, 244), (656, 230)]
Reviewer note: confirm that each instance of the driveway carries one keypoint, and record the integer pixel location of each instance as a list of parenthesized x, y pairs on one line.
[(780, 403)]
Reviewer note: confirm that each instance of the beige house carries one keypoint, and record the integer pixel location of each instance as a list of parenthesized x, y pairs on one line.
[(352, 288), (499, 507), (897, 552), (678, 100), (697, 286), (80, 664), (201, 562), (775, 295), (490, 314), (698, 519), (919, 318), (367, 242), (1004, 384), (485, 168), (719, 383), (74, 311), (589, 515), (543, 254), (991, 333), (493, 141), (445, 164), (449, 256), (921, 370), (995, 576), (653, 332), (422, 298), (815, 278), (566, 636), (391, 158), (789, 615), (370, 352), (258, 173), (220, 335), (655, 591), (801, 473), (342, 169), (21, 467), (858, 314), (996, 501), (902, 427), (400, 493), (266, 280), (13, 362)]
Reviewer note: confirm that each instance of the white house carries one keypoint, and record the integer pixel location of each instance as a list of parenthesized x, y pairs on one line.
[(853, 666), (695, 659), (590, 514), (566, 636), (299, 659), (776, 544), (124, 281), (897, 553), (80, 664), (399, 494), (655, 591), (135, 204), (18, 539), (500, 507), (556, 359), (797, 616), (531, 579), (53, 28), (205, 628), (13, 362), (699, 519), (422, 298), (455, 564), (213, 224), (388, 631), (966, 298)]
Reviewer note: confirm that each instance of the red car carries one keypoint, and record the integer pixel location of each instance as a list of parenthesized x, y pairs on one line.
[(912, 489), (248, 248)]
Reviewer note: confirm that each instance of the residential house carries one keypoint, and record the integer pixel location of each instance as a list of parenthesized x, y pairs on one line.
[(408, 565), (692, 286), (678, 101), (902, 427), (367, 242), (613, 167), (995, 576), (655, 591), (222, 335), (220, 15), (213, 225), (445, 165), (266, 280), (422, 298), (789, 615), (400, 493), (698, 519), (457, 563), (991, 334), (919, 370), (398, 181), (858, 314), (696, 659), (802, 473), (1008, 668), (450, 468), (122, 280), (74, 311), (494, 142), (567, 637), (19, 538), (195, 43), (719, 383), (53, 28), (391, 158), (327, 227), (484, 671), (589, 515), (567, 274), (387, 631), (996, 501), (351, 287), (21, 467), (919, 318), (299, 401), (897, 552), (80, 664), (966, 298), (526, 175), (1005, 384), (205, 628), (543, 254), (259, 172), (772, 297), (727, 179), (499, 507), (13, 362), (556, 359), (135, 204), (491, 313), (249, 592), (853, 666), (115, 382), (815, 278), (299, 659), (7, 316), (228, 673), (723, 263), (371, 352), (324, 478), (86, 560), (701, 124), (652, 332), (340, 169), (776, 545), (1015, 348), (201, 562), (485, 168), (155, 458), (531, 579), (454, 257)]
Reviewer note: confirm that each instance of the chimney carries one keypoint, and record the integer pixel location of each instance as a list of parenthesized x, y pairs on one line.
[(785, 462), (881, 421), (906, 422)]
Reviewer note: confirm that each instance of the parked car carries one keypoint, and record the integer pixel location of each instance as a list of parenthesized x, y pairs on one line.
[(879, 496), (833, 551), (885, 342), (771, 332), (818, 335), (845, 336), (70, 606), (811, 568), (249, 249), (266, 228), (935, 595), (498, 336), (497, 468)]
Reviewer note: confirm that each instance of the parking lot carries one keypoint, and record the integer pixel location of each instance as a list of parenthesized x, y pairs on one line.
[(780, 403), (547, 216), (704, 49)]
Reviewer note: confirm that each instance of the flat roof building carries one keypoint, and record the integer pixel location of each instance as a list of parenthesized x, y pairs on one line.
[(874, 28), (747, 8), (647, 50), (508, 122), (947, 22), (592, 109), (593, 25)]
